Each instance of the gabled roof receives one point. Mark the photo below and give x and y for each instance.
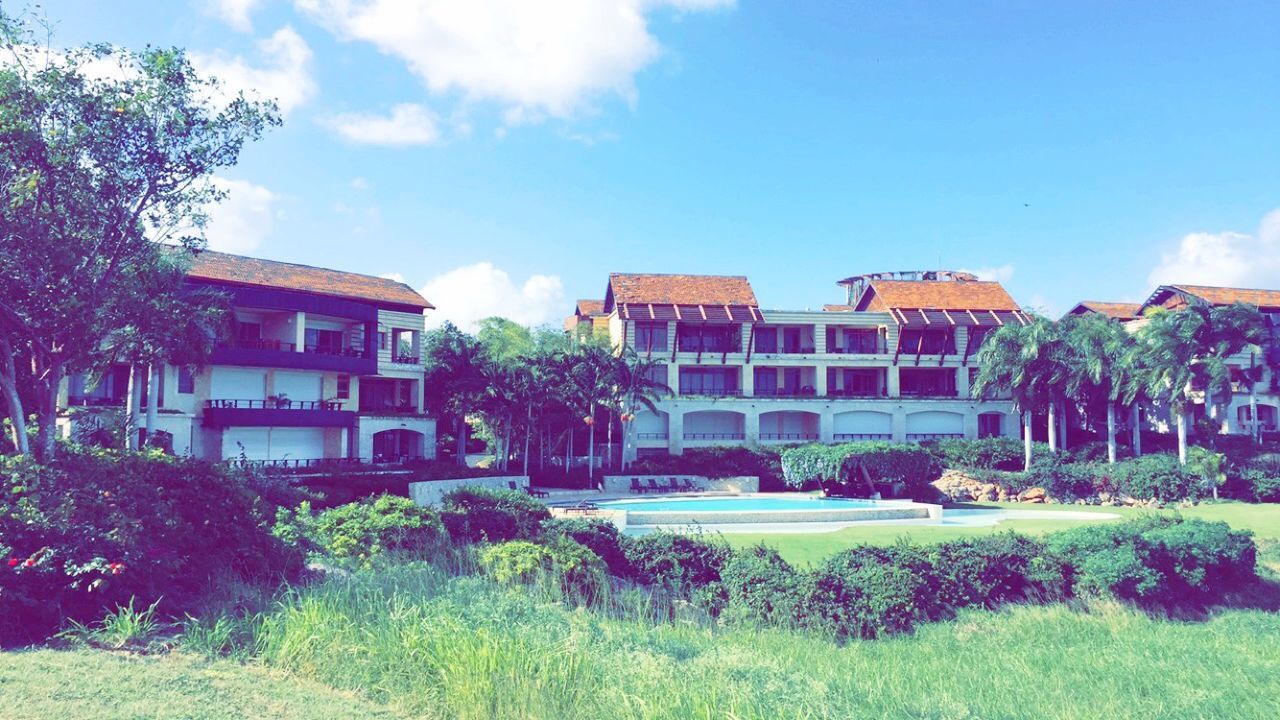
(837, 308)
(211, 266)
(1113, 310)
(1264, 299)
(936, 295)
(638, 288)
(589, 308)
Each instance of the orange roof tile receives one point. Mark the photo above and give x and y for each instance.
(240, 270)
(1113, 310)
(587, 308)
(837, 308)
(937, 294)
(1227, 296)
(628, 288)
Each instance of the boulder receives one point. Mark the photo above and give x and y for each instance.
(1034, 494)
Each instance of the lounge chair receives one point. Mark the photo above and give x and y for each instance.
(583, 508)
(636, 487)
(687, 485)
(532, 492)
(653, 486)
(674, 485)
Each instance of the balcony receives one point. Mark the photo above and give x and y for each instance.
(789, 436)
(279, 354)
(786, 393)
(857, 393)
(709, 392)
(853, 437)
(388, 408)
(715, 436)
(276, 412)
(926, 393)
(406, 359)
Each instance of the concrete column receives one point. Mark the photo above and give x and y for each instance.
(300, 331)
(747, 375)
(826, 425)
(675, 431)
(899, 425)
(751, 425)
(891, 378)
(673, 377)
(971, 423)
(962, 382)
(671, 337)
(820, 380)
(819, 338)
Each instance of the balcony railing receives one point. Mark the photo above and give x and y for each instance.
(857, 347)
(856, 393)
(710, 392)
(932, 436)
(94, 401)
(803, 392)
(389, 409)
(862, 436)
(279, 346)
(714, 436)
(651, 436)
(788, 436)
(406, 359)
(274, 404)
(929, 393)
(334, 351)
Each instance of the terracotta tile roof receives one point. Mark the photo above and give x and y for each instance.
(1227, 296)
(628, 288)
(1113, 310)
(588, 308)
(937, 294)
(240, 270)
(837, 308)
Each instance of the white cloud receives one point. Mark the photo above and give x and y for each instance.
(408, 124)
(473, 292)
(284, 76)
(236, 13)
(1226, 258)
(535, 59)
(393, 276)
(243, 220)
(1002, 273)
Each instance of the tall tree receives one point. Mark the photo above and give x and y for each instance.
(1024, 364)
(1101, 368)
(636, 390)
(455, 378)
(1188, 348)
(94, 169)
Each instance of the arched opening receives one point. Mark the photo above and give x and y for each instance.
(934, 424)
(1267, 415)
(397, 445)
(990, 424)
(793, 425)
(714, 425)
(862, 425)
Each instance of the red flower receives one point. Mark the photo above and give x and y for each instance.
(13, 561)
(29, 563)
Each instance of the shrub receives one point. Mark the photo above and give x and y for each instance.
(677, 563)
(1261, 485)
(1158, 477)
(989, 571)
(760, 587)
(868, 592)
(89, 531)
(717, 462)
(365, 530)
(578, 572)
(478, 514)
(913, 466)
(995, 453)
(1157, 560)
(599, 536)
(1062, 479)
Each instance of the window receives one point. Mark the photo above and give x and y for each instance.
(708, 381)
(656, 374)
(344, 387)
(186, 381)
(324, 342)
(927, 342)
(767, 340)
(651, 337)
(382, 341)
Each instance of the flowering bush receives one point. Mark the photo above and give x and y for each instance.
(93, 529)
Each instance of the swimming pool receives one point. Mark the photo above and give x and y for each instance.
(737, 504)
(760, 508)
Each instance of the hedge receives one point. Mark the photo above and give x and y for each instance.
(913, 466)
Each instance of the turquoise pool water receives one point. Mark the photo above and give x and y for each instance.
(736, 504)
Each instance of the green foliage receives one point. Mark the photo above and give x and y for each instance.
(1157, 560)
(600, 536)
(868, 592)
(995, 453)
(1064, 480)
(478, 514)
(913, 466)
(1160, 477)
(577, 571)
(124, 627)
(677, 563)
(761, 587)
(993, 570)
(1262, 486)
(715, 463)
(93, 529)
(361, 532)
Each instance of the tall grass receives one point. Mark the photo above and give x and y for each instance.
(434, 643)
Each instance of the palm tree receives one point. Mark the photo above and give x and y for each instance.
(1102, 366)
(636, 389)
(1023, 363)
(455, 377)
(1189, 347)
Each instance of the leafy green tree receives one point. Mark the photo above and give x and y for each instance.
(1025, 364)
(455, 379)
(94, 170)
(1189, 347)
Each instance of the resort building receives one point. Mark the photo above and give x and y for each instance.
(1255, 375)
(894, 361)
(316, 365)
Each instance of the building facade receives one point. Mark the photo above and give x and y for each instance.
(318, 365)
(893, 362)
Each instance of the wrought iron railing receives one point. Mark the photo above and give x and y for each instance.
(273, 404)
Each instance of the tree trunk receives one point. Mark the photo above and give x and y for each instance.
(13, 401)
(568, 451)
(154, 378)
(609, 443)
(1053, 428)
(1136, 418)
(1111, 433)
(462, 440)
(1062, 429)
(1256, 431)
(1026, 440)
(528, 431)
(47, 413)
(1182, 437)
(132, 399)
(591, 449)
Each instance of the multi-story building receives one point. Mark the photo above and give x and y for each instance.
(893, 362)
(1263, 366)
(319, 365)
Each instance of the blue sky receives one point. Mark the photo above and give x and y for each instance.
(505, 155)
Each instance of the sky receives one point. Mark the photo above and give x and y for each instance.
(505, 156)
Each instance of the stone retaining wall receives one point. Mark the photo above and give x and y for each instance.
(430, 492)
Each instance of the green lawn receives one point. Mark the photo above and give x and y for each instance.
(53, 684)
(806, 548)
